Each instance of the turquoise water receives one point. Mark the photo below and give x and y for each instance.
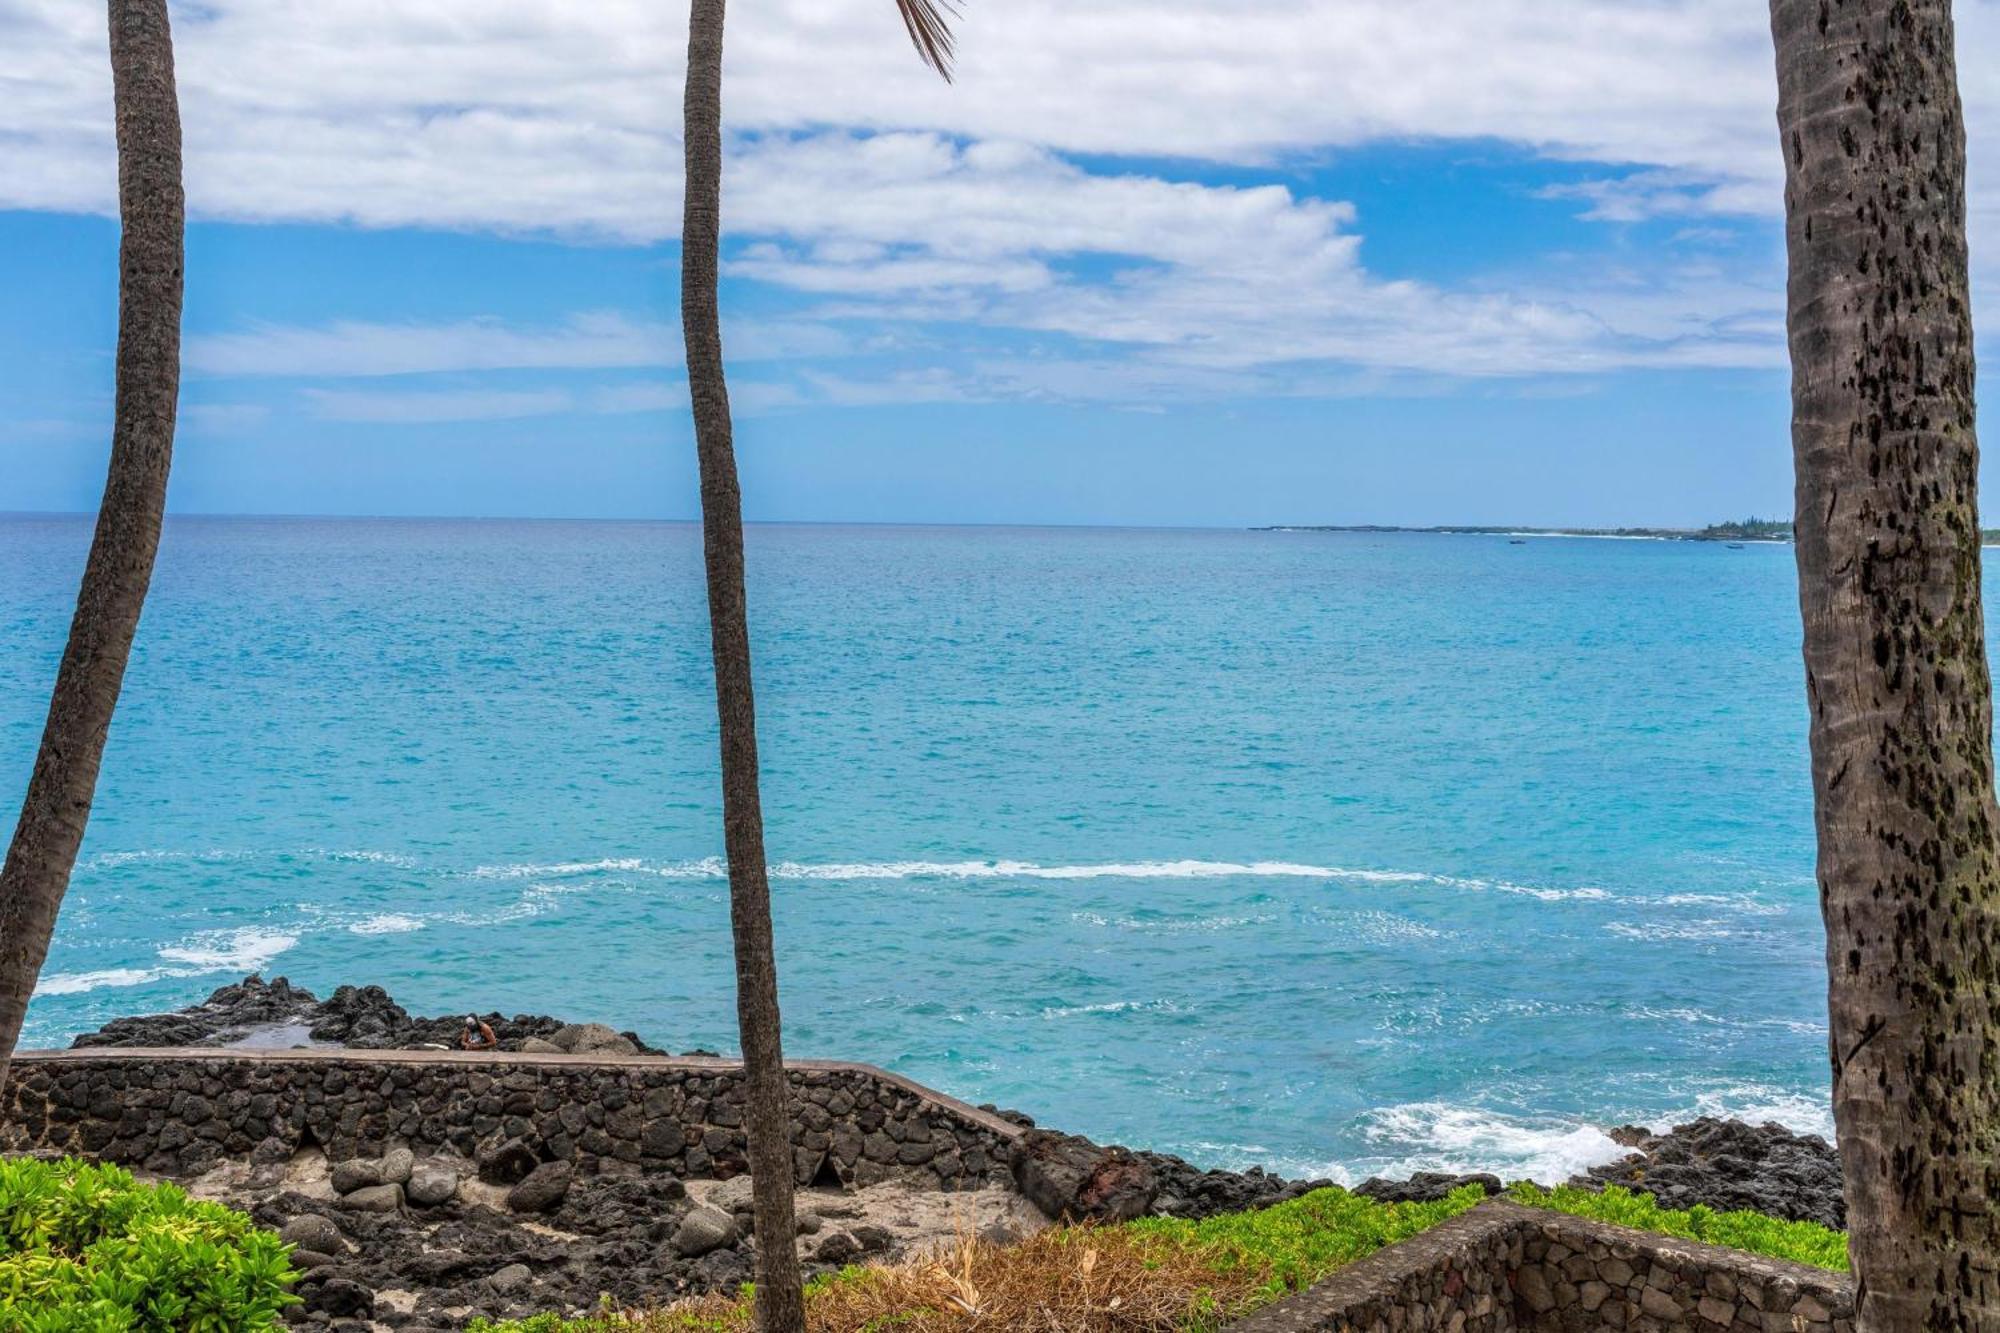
(1335, 852)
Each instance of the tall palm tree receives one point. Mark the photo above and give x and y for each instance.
(1895, 645)
(150, 206)
(780, 1300)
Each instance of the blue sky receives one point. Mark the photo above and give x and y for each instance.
(1269, 261)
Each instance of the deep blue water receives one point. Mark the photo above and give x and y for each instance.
(1334, 852)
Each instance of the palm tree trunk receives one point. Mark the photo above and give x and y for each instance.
(1895, 646)
(57, 806)
(780, 1299)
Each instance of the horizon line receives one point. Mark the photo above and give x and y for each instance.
(1267, 526)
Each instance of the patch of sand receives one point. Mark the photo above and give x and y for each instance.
(916, 1217)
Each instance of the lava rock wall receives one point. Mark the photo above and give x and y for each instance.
(179, 1112)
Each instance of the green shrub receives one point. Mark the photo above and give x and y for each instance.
(1294, 1244)
(87, 1249)
(1800, 1242)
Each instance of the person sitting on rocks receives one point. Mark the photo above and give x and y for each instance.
(478, 1035)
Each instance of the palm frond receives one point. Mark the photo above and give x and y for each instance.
(929, 22)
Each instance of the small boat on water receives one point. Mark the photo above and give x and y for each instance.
(1517, 541)
(1736, 546)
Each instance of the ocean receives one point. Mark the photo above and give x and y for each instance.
(1340, 853)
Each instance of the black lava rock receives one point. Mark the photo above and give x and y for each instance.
(1727, 1164)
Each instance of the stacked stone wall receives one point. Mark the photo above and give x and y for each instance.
(1452, 1277)
(179, 1112)
(1575, 1275)
(1502, 1268)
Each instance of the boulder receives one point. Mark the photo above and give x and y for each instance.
(702, 1230)
(511, 1278)
(543, 1189)
(375, 1199)
(873, 1240)
(431, 1184)
(592, 1039)
(337, 1297)
(356, 1173)
(308, 1259)
(733, 1195)
(397, 1164)
(1424, 1187)
(1070, 1178)
(809, 1223)
(536, 1046)
(310, 1231)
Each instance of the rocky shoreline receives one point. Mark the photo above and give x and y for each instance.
(400, 1242)
(275, 1014)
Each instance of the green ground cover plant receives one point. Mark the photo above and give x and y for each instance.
(1800, 1242)
(87, 1249)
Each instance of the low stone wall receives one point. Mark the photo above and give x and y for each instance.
(1452, 1277)
(178, 1111)
(1576, 1274)
(1506, 1267)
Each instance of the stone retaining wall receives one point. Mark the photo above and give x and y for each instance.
(1503, 1267)
(178, 1111)
(1576, 1274)
(1452, 1277)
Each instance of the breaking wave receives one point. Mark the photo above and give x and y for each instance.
(240, 950)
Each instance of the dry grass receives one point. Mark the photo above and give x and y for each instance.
(1065, 1280)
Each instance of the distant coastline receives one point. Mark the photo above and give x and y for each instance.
(1772, 531)
(1749, 530)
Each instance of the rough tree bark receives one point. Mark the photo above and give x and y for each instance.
(120, 566)
(1895, 645)
(780, 1301)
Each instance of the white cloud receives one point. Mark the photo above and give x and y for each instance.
(914, 231)
(429, 406)
(549, 116)
(540, 114)
(432, 406)
(352, 348)
(913, 227)
(591, 340)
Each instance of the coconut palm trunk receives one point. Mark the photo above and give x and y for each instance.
(780, 1298)
(120, 566)
(780, 1301)
(1895, 646)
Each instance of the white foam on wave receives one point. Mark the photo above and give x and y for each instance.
(388, 923)
(81, 983)
(1439, 1136)
(1658, 931)
(713, 868)
(1172, 925)
(571, 869)
(241, 949)
(1702, 1017)
(143, 856)
(365, 857)
(1112, 1007)
(1184, 869)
